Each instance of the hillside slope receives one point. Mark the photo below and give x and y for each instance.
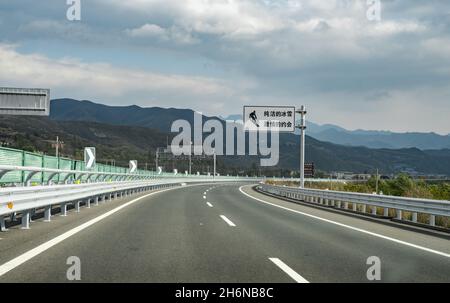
(122, 143)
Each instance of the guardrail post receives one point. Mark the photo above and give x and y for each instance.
(26, 220)
(414, 217)
(2, 224)
(354, 206)
(339, 204)
(64, 210)
(88, 203)
(374, 210)
(386, 212)
(48, 213)
(399, 214)
(432, 220)
(364, 208)
(33, 212)
(345, 205)
(96, 201)
(77, 206)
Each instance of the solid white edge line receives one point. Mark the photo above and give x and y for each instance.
(289, 271)
(209, 204)
(350, 227)
(228, 221)
(10, 265)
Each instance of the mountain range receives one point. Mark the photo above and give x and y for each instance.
(372, 138)
(327, 156)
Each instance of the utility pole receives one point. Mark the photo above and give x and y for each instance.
(57, 146)
(215, 158)
(156, 158)
(376, 183)
(190, 157)
(302, 128)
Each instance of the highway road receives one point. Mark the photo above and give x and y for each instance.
(219, 233)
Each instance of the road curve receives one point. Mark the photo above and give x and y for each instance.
(220, 233)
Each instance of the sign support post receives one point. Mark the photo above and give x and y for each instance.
(190, 157)
(302, 111)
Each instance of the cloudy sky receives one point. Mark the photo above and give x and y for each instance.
(217, 55)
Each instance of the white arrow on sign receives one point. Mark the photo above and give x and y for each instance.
(133, 166)
(89, 157)
(159, 170)
(175, 171)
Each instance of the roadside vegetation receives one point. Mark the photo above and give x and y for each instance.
(402, 186)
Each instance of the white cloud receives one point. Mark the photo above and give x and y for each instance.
(152, 31)
(103, 80)
(219, 17)
(439, 46)
(397, 27)
(325, 53)
(147, 30)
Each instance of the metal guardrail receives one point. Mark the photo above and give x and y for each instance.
(360, 201)
(85, 176)
(26, 200)
(313, 180)
(76, 175)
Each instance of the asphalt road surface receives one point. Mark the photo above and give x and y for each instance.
(218, 233)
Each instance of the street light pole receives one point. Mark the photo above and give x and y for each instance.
(214, 176)
(57, 146)
(190, 158)
(156, 158)
(376, 183)
(302, 111)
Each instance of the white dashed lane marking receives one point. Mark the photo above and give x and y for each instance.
(228, 221)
